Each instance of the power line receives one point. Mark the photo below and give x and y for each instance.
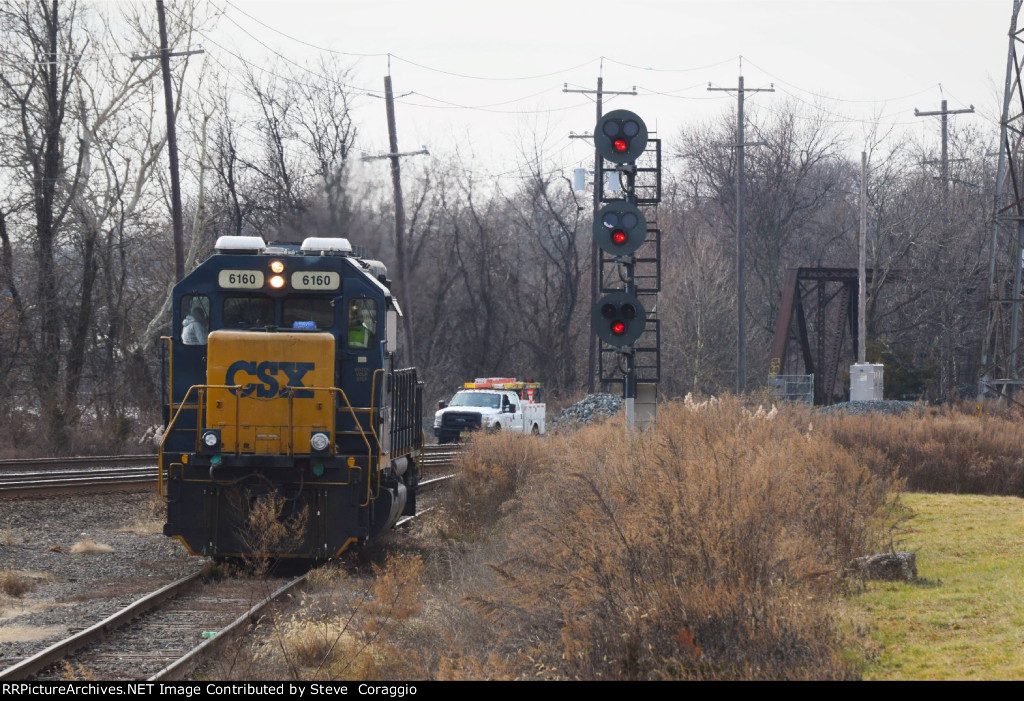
(838, 99)
(401, 58)
(670, 70)
(544, 110)
(289, 36)
(669, 94)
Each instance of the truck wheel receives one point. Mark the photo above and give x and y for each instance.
(535, 430)
(497, 427)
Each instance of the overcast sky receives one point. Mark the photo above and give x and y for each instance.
(485, 76)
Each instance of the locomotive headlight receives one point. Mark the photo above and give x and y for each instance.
(319, 442)
(277, 282)
(210, 440)
(276, 266)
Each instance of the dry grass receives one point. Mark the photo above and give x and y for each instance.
(267, 530)
(88, 546)
(710, 548)
(75, 673)
(346, 626)
(150, 515)
(9, 536)
(14, 585)
(488, 475)
(947, 450)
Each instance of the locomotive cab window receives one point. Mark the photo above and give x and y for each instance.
(307, 313)
(248, 312)
(362, 322)
(195, 323)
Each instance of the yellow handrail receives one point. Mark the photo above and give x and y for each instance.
(174, 420)
(201, 411)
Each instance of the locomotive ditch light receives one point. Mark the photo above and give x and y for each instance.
(619, 319)
(277, 282)
(319, 442)
(210, 441)
(620, 228)
(276, 266)
(620, 136)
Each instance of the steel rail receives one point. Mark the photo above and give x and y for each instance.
(58, 651)
(39, 476)
(193, 658)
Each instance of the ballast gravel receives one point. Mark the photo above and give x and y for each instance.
(79, 558)
(879, 406)
(586, 410)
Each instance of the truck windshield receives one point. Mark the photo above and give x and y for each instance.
(488, 401)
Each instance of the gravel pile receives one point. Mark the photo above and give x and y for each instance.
(81, 558)
(585, 410)
(880, 406)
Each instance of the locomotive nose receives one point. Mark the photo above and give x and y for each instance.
(269, 392)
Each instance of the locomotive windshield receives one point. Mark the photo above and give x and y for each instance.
(307, 312)
(248, 312)
(480, 399)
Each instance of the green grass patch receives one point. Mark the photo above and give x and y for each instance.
(964, 618)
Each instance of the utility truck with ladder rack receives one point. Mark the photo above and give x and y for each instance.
(491, 403)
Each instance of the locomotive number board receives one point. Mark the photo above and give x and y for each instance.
(240, 279)
(315, 280)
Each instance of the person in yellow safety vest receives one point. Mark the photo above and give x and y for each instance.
(360, 327)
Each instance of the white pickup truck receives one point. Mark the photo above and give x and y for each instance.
(497, 404)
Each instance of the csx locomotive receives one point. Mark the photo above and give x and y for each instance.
(281, 398)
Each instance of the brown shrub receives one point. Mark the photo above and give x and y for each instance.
(13, 584)
(938, 451)
(345, 627)
(489, 473)
(709, 547)
(266, 531)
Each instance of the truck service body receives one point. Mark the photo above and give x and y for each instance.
(493, 403)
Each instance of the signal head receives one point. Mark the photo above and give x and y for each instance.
(620, 228)
(620, 136)
(619, 319)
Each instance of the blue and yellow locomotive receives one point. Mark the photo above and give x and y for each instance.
(281, 398)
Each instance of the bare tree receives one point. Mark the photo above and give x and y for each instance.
(76, 117)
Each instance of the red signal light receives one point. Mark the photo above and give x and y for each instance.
(618, 328)
(619, 236)
(620, 145)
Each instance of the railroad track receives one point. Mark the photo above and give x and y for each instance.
(126, 472)
(162, 636)
(166, 634)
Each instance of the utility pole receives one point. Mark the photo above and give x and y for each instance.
(740, 146)
(594, 255)
(396, 182)
(862, 324)
(944, 162)
(172, 142)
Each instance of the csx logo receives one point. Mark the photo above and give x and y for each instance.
(268, 373)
